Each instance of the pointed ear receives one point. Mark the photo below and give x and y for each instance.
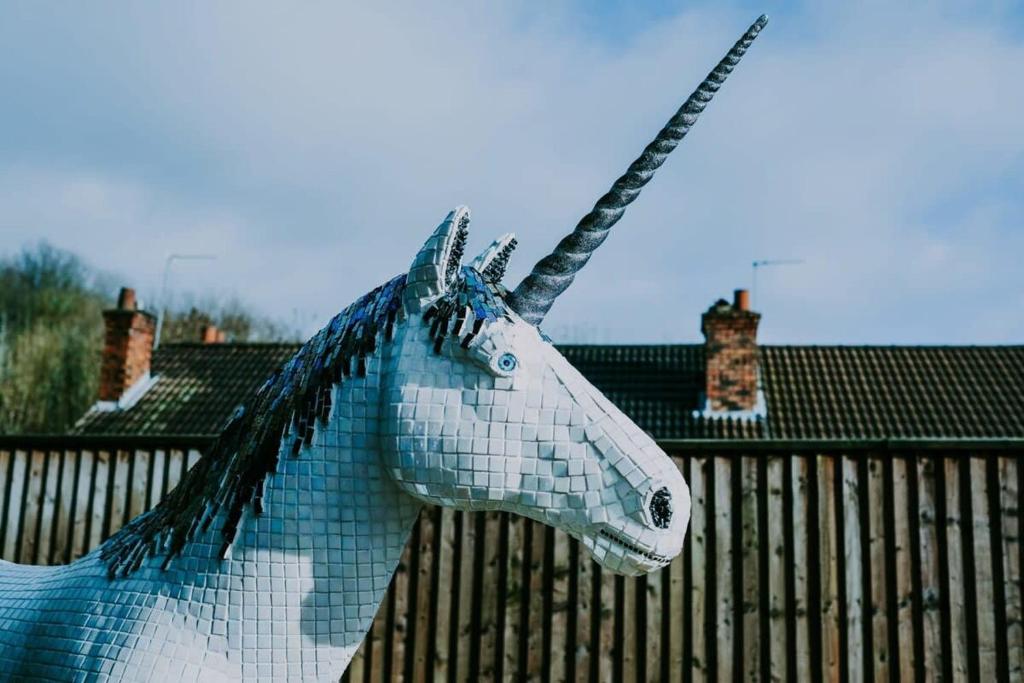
(437, 264)
(492, 261)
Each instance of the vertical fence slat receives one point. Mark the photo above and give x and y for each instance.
(1010, 475)
(820, 605)
(138, 484)
(757, 598)
(514, 628)
(933, 567)
(580, 656)
(536, 648)
(749, 642)
(17, 484)
(48, 508)
(85, 490)
(453, 580)
(853, 554)
(775, 541)
(828, 553)
(954, 561)
(797, 563)
(119, 496)
(916, 518)
(724, 562)
(377, 659)
(559, 604)
(630, 634)
(983, 605)
(899, 547)
(492, 598)
(6, 483)
(673, 613)
(618, 628)
(100, 504)
(157, 468)
(397, 623)
(997, 567)
(474, 637)
(648, 620)
(414, 667)
(64, 510)
(175, 467)
(32, 507)
(694, 647)
(355, 673)
(874, 555)
(606, 665)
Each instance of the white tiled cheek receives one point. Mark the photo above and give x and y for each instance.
(543, 442)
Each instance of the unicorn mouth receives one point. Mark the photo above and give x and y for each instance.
(654, 557)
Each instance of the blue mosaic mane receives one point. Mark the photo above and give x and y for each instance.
(285, 411)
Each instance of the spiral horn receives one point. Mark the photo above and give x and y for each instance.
(553, 274)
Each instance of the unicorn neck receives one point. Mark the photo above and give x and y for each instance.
(315, 565)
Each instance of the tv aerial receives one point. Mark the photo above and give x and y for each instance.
(763, 263)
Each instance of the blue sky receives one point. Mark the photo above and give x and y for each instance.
(312, 148)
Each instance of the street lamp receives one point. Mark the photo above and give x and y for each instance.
(163, 289)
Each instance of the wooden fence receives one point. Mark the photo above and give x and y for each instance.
(804, 561)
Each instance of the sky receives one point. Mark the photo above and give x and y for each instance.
(312, 148)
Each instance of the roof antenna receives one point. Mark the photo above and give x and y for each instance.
(768, 262)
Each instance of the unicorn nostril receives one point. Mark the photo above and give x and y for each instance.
(661, 508)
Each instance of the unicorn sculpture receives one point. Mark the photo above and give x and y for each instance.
(269, 559)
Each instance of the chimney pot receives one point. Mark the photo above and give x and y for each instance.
(126, 299)
(741, 300)
(211, 335)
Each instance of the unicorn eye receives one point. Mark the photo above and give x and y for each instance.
(507, 362)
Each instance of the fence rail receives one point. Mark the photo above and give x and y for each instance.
(800, 564)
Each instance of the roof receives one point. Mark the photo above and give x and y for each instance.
(822, 392)
(197, 388)
(811, 392)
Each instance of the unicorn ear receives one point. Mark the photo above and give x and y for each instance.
(437, 264)
(492, 261)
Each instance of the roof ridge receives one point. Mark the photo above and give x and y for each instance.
(230, 344)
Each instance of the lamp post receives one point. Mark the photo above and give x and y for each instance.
(163, 289)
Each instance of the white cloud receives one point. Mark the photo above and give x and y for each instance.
(314, 149)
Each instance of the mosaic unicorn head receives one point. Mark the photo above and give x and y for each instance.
(483, 413)
(269, 559)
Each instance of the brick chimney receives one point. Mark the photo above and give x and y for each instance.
(730, 350)
(127, 347)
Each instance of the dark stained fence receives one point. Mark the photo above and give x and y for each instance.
(894, 560)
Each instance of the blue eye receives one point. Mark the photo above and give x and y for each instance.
(507, 362)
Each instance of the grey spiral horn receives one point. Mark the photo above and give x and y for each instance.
(553, 274)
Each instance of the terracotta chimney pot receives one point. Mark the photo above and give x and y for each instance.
(741, 300)
(211, 335)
